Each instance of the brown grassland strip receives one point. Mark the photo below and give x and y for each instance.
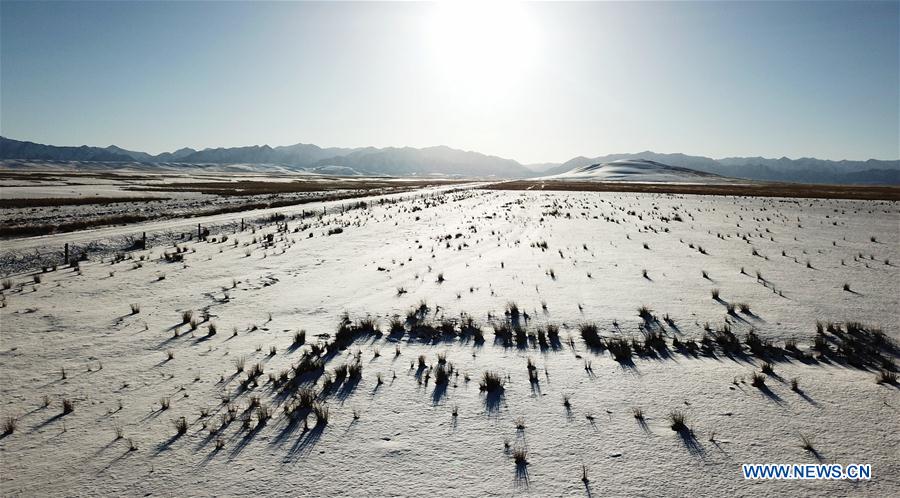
(70, 201)
(257, 187)
(62, 176)
(45, 229)
(859, 192)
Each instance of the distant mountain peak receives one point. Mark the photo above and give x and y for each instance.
(445, 160)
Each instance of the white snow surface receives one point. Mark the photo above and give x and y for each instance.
(406, 441)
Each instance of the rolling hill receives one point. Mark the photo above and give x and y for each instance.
(446, 161)
(638, 170)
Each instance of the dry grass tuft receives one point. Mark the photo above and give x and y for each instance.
(677, 419)
(181, 425)
(520, 455)
(320, 410)
(9, 425)
(491, 382)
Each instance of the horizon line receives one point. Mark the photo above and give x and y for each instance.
(463, 150)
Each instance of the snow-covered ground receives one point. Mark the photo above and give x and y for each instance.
(51, 201)
(564, 258)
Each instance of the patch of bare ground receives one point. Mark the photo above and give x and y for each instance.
(71, 201)
(256, 187)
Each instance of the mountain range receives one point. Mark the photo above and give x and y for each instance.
(445, 161)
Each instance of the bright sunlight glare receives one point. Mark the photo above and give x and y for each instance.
(483, 48)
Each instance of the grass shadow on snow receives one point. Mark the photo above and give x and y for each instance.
(768, 393)
(522, 475)
(492, 401)
(306, 442)
(440, 390)
(243, 441)
(690, 442)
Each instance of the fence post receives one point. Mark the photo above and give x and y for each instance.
(66, 260)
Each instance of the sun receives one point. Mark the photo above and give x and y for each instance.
(483, 46)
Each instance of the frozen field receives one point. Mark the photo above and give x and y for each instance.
(158, 404)
(46, 201)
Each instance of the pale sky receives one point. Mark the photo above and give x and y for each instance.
(533, 82)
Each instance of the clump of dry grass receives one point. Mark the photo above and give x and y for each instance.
(306, 397)
(263, 413)
(638, 413)
(645, 313)
(677, 419)
(886, 376)
(553, 333)
(520, 455)
(395, 325)
(619, 348)
(9, 425)
(758, 380)
(181, 425)
(807, 442)
(491, 382)
(320, 410)
(68, 406)
(532, 371)
(590, 335)
(442, 373)
(354, 371)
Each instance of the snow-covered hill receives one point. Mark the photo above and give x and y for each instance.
(639, 170)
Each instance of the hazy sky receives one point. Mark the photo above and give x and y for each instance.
(534, 82)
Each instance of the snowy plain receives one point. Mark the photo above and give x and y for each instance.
(564, 258)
